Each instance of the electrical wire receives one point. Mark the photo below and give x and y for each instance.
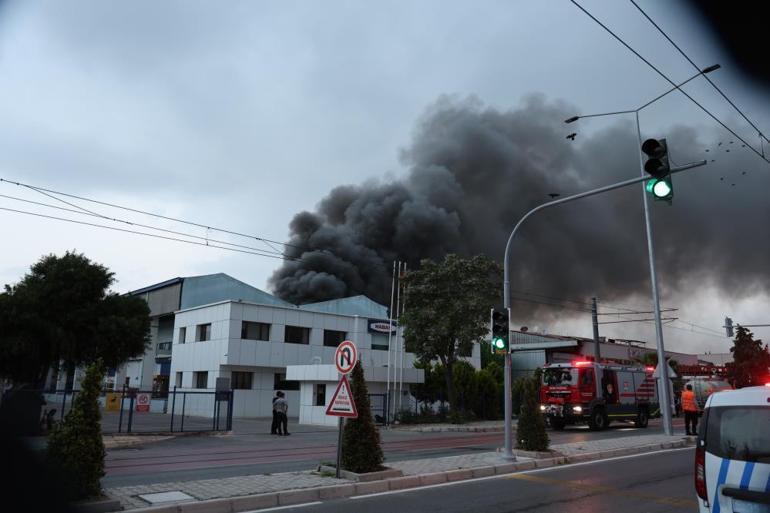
(704, 109)
(698, 69)
(95, 225)
(560, 299)
(140, 225)
(160, 216)
(545, 303)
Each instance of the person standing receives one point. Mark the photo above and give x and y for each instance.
(274, 425)
(282, 407)
(690, 408)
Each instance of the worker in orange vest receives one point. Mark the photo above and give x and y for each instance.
(690, 408)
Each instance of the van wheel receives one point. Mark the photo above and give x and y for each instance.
(598, 420)
(642, 418)
(558, 424)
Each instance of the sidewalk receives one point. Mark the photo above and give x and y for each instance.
(294, 487)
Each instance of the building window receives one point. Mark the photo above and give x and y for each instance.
(280, 383)
(182, 335)
(201, 379)
(334, 338)
(178, 381)
(380, 341)
(241, 380)
(297, 335)
(203, 332)
(255, 331)
(319, 392)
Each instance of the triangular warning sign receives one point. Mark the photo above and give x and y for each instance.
(342, 403)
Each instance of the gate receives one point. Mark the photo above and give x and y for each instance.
(379, 406)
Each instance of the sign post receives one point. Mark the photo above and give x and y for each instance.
(342, 404)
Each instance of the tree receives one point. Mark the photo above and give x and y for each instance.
(361, 450)
(750, 360)
(62, 311)
(76, 448)
(530, 429)
(447, 309)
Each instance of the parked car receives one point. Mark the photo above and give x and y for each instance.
(732, 455)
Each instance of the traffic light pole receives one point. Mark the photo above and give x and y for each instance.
(664, 390)
(508, 452)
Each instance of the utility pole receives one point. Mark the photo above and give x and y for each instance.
(595, 319)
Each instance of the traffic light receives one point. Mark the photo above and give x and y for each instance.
(729, 327)
(657, 166)
(500, 330)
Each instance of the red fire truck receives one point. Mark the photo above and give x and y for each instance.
(584, 391)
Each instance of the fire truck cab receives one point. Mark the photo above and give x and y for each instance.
(596, 393)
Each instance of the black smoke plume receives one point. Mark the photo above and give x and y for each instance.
(473, 171)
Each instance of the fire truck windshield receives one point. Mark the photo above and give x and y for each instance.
(560, 376)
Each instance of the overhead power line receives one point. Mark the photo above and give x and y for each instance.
(547, 303)
(651, 65)
(638, 320)
(160, 216)
(136, 232)
(698, 69)
(140, 225)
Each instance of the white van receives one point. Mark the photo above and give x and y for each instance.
(732, 457)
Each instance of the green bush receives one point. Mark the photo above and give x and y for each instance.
(361, 450)
(487, 404)
(76, 448)
(530, 429)
(517, 394)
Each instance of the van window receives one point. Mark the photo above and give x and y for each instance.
(739, 433)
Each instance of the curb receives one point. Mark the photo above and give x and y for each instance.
(290, 497)
(454, 429)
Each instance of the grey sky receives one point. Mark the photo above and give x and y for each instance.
(242, 114)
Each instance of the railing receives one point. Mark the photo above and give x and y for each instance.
(163, 349)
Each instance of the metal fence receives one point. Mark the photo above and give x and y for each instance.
(181, 410)
(133, 411)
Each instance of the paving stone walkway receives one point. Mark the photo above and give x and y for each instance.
(608, 444)
(482, 459)
(227, 487)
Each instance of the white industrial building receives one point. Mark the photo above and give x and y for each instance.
(563, 349)
(213, 326)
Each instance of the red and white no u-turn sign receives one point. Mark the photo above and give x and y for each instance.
(346, 356)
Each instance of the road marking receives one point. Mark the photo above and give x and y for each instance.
(581, 486)
(278, 508)
(508, 476)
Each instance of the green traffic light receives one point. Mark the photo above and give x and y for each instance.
(499, 343)
(661, 189)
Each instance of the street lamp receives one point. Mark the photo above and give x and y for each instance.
(660, 189)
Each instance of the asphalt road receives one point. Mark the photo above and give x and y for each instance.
(648, 483)
(210, 457)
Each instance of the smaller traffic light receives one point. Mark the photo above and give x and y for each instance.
(500, 330)
(658, 167)
(729, 327)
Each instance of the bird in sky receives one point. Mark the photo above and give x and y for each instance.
(572, 136)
